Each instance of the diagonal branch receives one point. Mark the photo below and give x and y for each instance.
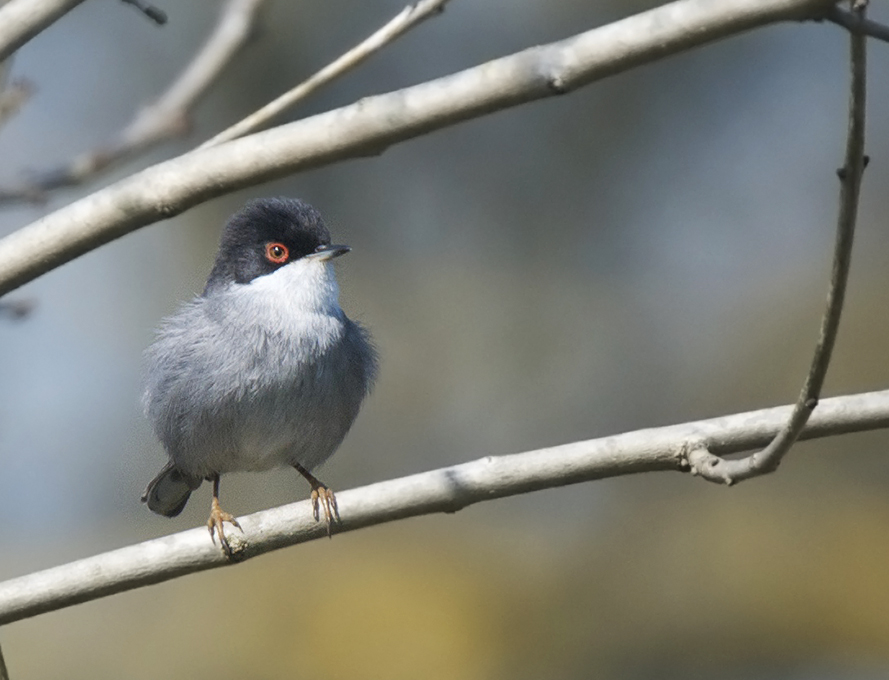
(21, 20)
(410, 16)
(165, 118)
(232, 30)
(375, 123)
(715, 469)
(444, 490)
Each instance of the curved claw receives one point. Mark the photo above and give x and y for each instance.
(214, 525)
(323, 496)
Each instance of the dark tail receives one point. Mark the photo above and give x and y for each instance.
(168, 493)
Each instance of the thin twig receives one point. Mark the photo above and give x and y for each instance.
(857, 23)
(13, 95)
(16, 309)
(410, 16)
(444, 490)
(375, 123)
(4, 674)
(168, 117)
(21, 20)
(703, 461)
(6, 65)
(170, 112)
(156, 14)
(13, 98)
(165, 118)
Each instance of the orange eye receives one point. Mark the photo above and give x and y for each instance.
(277, 253)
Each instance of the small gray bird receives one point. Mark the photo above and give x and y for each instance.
(263, 369)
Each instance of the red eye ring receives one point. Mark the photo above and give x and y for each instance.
(276, 252)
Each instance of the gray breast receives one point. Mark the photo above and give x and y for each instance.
(226, 393)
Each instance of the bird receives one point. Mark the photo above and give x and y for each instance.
(263, 369)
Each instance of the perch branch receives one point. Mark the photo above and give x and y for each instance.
(444, 490)
(165, 118)
(410, 16)
(375, 123)
(21, 20)
(715, 469)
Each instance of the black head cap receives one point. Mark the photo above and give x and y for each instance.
(264, 236)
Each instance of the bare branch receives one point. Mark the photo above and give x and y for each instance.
(21, 20)
(156, 14)
(444, 490)
(375, 123)
(858, 23)
(170, 111)
(715, 469)
(410, 16)
(166, 118)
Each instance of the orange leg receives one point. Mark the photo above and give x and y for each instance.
(322, 496)
(218, 516)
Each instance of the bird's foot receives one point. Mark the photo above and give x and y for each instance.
(214, 525)
(323, 497)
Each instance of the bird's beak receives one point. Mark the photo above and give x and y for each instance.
(324, 253)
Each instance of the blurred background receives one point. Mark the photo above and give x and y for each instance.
(651, 249)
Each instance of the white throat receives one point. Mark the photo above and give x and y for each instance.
(292, 299)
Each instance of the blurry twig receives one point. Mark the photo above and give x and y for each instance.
(4, 674)
(410, 16)
(157, 15)
(13, 97)
(163, 119)
(720, 470)
(16, 309)
(444, 490)
(856, 22)
(21, 20)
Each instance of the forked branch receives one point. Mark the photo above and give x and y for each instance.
(703, 461)
(856, 22)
